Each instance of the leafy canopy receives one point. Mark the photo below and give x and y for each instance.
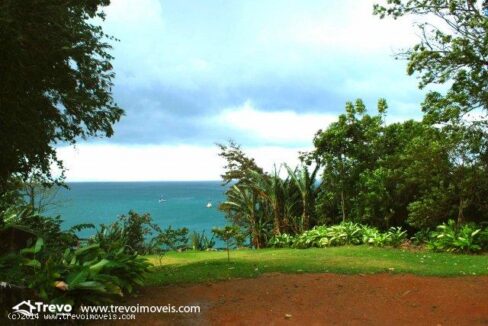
(56, 82)
(453, 50)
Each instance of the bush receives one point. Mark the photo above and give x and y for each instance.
(129, 231)
(86, 275)
(421, 237)
(457, 238)
(396, 236)
(48, 228)
(346, 233)
(281, 241)
(58, 272)
(171, 239)
(200, 241)
(231, 235)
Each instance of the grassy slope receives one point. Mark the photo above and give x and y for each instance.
(195, 267)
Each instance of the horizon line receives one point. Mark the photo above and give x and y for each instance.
(120, 181)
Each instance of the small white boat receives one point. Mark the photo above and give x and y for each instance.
(161, 199)
(209, 204)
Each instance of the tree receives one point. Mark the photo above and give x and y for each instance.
(238, 165)
(345, 149)
(305, 182)
(453, 49)
(231, 235)
(56, 82)
(271, 190)
(244, 204)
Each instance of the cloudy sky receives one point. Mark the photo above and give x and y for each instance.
(267, 74)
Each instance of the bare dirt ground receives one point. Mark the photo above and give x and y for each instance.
(324, 299)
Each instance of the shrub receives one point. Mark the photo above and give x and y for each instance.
(86, 275)
(396, 236)
(171, 239)
(311, 238)
(231, 235)
(48, 228)
(200, 241)
(281, 241)
(129, 231)
(454, 238)
(421, 237)
(346, 233)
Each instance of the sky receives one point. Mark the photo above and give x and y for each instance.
(267, 74)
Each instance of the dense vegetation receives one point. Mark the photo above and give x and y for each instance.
(412, 174)
(56, 83)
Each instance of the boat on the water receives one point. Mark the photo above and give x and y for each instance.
(161, 199)
(209, 204)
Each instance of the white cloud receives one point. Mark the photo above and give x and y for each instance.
(348, 25)
(275, 127)
(108, 162)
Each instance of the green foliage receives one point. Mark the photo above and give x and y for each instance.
(200, 241)
(396, 236)
(282, 241)
(346, 233)
(413, 173)
(49, 228)
(265, 203)
(452, 51)
(171, 239)
(304, 180)
(56, 82)
(84, 275)
(128, 231)
(61, 269)
(231, 235)
(451, 237)
(421, 237)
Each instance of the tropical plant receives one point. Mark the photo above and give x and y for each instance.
(421, 237)
(271, 190)
(135, 231)
(243, 201)
(86, 275)
(305, 183)
(171, 239)
(281, 241)
(231, 235)
(347, 233)
(200, 241)
(396, 236)
(456, 238)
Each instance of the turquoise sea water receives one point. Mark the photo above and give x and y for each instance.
(102, 202)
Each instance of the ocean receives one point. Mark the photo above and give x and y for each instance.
(184, 205)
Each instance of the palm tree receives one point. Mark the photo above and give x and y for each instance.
(270, 188)
(244, 203)
(305, 182)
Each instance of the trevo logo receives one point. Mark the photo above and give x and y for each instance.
(31, 310)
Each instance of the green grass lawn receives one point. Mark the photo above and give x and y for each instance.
(197, 267)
